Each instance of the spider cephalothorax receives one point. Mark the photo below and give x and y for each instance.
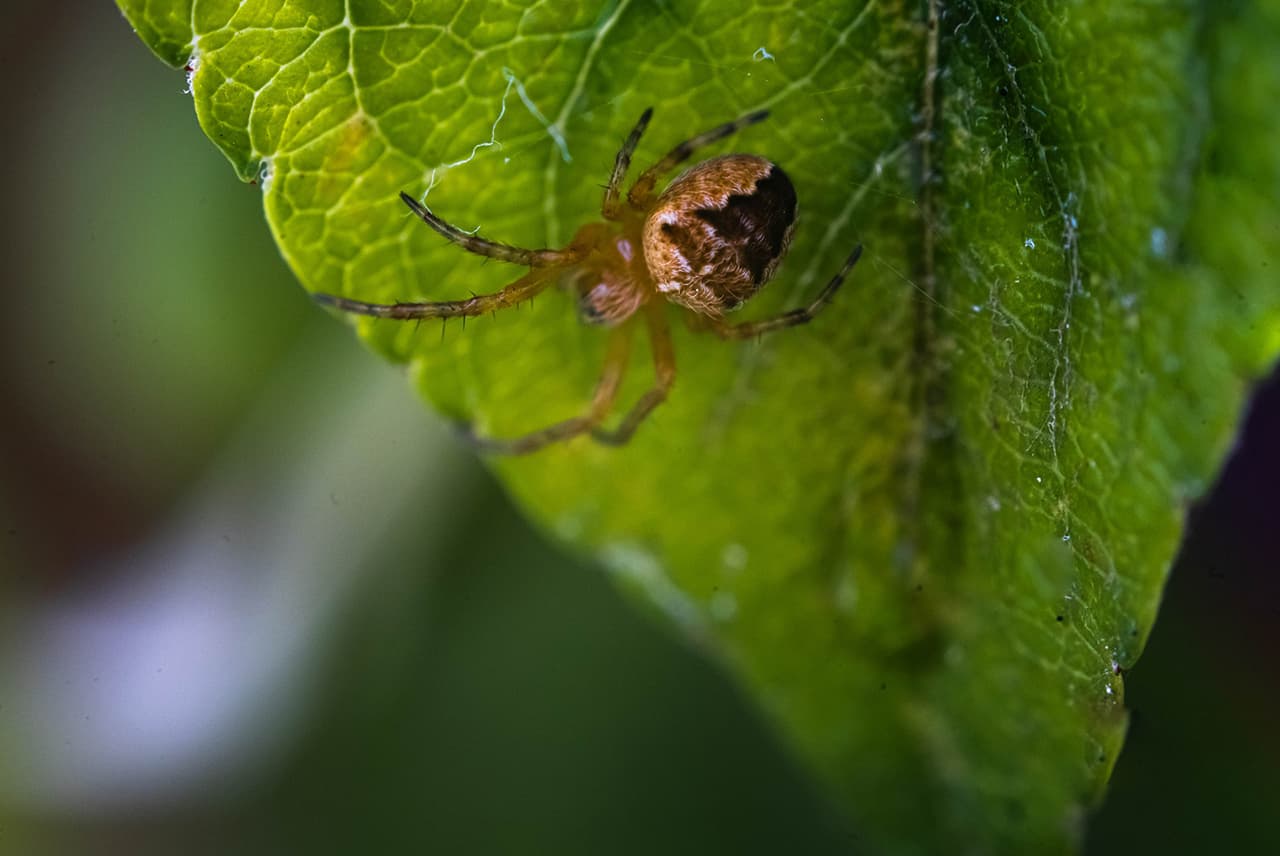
(707, 243)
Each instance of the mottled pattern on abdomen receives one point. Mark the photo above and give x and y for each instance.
(719, 231)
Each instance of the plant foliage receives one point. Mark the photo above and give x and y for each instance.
(929, 531)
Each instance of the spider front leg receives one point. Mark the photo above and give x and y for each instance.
(524, 288)
(606, 392)
(792, 318)
(664, 372)
(489, 249)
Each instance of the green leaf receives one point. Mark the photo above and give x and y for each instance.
(930, 530)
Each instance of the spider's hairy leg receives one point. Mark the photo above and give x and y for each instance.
(615, 366)
(795, 317)
(641, 193)
(664, 372)
(524, 288)
(489, 249)
(610, 207)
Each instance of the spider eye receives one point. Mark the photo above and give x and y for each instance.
(590, 308)
(603, 300)
(718, 232)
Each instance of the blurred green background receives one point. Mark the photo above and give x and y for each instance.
(253, 596)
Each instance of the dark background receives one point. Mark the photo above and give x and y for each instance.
(175, 672)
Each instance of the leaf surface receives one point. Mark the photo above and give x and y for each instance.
(928, 531)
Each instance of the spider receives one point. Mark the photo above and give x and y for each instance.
(707, 243)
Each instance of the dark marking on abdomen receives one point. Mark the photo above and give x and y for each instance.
(756, 223)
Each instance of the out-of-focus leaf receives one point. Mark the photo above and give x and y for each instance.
(929, 531)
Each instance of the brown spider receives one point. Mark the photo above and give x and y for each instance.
(707, 243)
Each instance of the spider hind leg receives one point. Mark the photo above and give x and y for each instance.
(641, 193)
(612, 205)
(791, 318)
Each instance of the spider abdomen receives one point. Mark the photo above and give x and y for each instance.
(718, 232)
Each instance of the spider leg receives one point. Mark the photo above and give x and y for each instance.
(641, 193)
(610, 207)
(664, 371)
(490, 249)
(795, 317)
(522, 289)
(615, 366)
